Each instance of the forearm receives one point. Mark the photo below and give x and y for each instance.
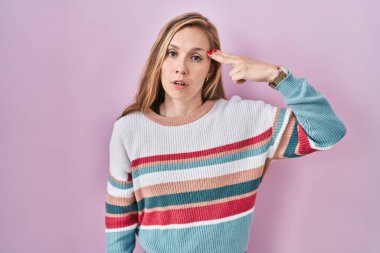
(313, 112)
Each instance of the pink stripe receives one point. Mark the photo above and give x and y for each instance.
(303, 140)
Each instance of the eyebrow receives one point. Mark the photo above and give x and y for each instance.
(193, 49)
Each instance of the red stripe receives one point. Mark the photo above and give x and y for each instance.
(178, 156)
(120, 222)
(303, 140)
(194, 214)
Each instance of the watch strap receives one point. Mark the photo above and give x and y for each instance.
(283, 73)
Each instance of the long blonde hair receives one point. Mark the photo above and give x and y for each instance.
(151, 92)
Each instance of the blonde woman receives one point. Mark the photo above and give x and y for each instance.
(185, 162)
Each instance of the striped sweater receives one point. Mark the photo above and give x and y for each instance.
(188, 184)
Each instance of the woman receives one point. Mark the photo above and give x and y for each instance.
(185, 162)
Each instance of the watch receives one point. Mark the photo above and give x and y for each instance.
(282, 75)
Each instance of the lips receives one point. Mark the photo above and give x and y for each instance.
(180, 82)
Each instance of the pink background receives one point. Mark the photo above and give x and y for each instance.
(68, 68)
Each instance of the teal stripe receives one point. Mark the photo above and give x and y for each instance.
(202, 163)
(199, 196)
(118, 185)
(118, 242)
(292, 145)
(120, 209)
(280, 122)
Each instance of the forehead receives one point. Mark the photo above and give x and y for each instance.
(191, 37)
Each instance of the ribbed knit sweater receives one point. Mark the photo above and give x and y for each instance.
(188, 184)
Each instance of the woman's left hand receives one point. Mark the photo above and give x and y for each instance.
(244, 68)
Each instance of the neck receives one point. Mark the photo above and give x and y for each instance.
(174, 108)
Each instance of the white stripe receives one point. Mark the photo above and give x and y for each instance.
(198, 223)
(110, 230)
(119, 193)
(314, 145)
(199, 172)
(285, 121)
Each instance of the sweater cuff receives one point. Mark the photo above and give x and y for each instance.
(289, 85)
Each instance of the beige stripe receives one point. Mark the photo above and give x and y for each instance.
(119, 201)
(278, 110)
(198, 184)
(120, 215)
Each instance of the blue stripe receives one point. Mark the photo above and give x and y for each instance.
(120, 209)
(119, 242)
(118, 185)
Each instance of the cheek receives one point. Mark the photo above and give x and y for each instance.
(206, 66)
(203, 70)
(165, 69)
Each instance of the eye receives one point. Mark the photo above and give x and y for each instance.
(170, 51)
(198, 57)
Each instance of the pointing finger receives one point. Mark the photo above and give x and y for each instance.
(227, 54)
(222, 57)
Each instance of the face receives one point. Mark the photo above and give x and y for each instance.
(186, 59)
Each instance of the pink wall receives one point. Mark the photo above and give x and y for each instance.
(67, 69)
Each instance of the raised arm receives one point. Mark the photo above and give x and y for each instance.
(309, 123)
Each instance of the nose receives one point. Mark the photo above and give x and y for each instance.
(180, 72)
(181, 67)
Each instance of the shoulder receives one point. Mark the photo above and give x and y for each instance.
(237, 104)
(124, 124)
(255, 116)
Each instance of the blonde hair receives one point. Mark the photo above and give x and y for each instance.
(151, 92)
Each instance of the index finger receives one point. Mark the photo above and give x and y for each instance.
(223, 57)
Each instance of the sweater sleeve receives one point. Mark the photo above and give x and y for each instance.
(307, 125)
(121, 206)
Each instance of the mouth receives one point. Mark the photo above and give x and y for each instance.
(179, 84)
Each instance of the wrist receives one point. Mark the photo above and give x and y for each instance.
(275, 71)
